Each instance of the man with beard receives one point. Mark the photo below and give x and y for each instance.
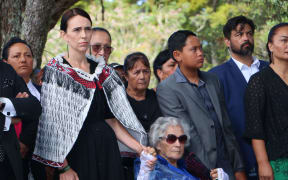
(234, 76)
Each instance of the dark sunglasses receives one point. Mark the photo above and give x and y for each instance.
(98, 47)
(171, 138)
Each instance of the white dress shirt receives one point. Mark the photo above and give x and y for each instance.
(33, 90)
(246, 70)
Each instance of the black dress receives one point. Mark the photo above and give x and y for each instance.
(147, 111)
(266, 108)
(95, 154)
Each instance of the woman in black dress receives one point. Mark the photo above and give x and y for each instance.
(76, 129)
(266, 106)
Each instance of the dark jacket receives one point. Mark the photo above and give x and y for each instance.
(178, 99)
(234, 85)
(26, 108)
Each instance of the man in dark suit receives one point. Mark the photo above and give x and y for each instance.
(15, 103)
(234, 76)
(197, 98)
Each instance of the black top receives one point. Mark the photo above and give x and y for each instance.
(266, 107)
(147, 110)
(95, 154)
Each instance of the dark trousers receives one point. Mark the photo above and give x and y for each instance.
(6, 171)
(128, 167)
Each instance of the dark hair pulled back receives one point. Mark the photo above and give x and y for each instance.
(271, 34)
(71, 13)
(132, 58)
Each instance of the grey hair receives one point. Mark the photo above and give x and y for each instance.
(160, 126)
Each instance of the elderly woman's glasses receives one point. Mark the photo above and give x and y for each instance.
(171, 138)
(98, 47)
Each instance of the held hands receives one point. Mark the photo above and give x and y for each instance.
(150, 154)
(218, 174)
(148, 161)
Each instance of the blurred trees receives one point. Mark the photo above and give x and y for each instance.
(30, 20)
(145, 25)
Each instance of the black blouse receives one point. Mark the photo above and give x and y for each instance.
(148, 110)
(266, 108)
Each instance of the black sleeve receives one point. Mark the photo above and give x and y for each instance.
(26, 108)
(107, 112)
(29, 132)
(254, 108)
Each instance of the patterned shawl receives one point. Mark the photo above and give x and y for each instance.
(66, 96)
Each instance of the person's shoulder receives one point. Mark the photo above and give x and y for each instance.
(220, 68)
(208, 75)
(6, 68)
(263, 75)
(150, 92)
(169, 80)
(263, 61)
(168, 83)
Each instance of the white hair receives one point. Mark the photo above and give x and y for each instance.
(160, 126)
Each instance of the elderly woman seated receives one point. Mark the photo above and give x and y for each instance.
(169, 136)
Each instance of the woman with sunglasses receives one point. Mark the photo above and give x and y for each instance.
(169, 136)
(101, 43)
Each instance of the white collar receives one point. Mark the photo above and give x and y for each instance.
(240, 65)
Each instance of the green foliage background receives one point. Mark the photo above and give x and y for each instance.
(146, 25)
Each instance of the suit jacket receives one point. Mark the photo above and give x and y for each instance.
(234, 85)
(26, 108)
(178, 99)
(29, 131)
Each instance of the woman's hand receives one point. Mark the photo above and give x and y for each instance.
(219, 174)
(23, 149)
(265, 171)
(214, 174)
(69, 175)
(150, 163)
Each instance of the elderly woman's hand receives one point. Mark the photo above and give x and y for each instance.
(218, 174)
(152, 160)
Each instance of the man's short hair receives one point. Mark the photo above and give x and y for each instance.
(234, 22)
(178, 40)
(160, 59)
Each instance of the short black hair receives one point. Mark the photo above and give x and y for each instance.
(10, 43)
(271, 34)
(234, 22)
(160, 59)
(132, 58)
(95, 29)
(178, 40)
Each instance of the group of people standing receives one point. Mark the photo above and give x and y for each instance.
(98, 119)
